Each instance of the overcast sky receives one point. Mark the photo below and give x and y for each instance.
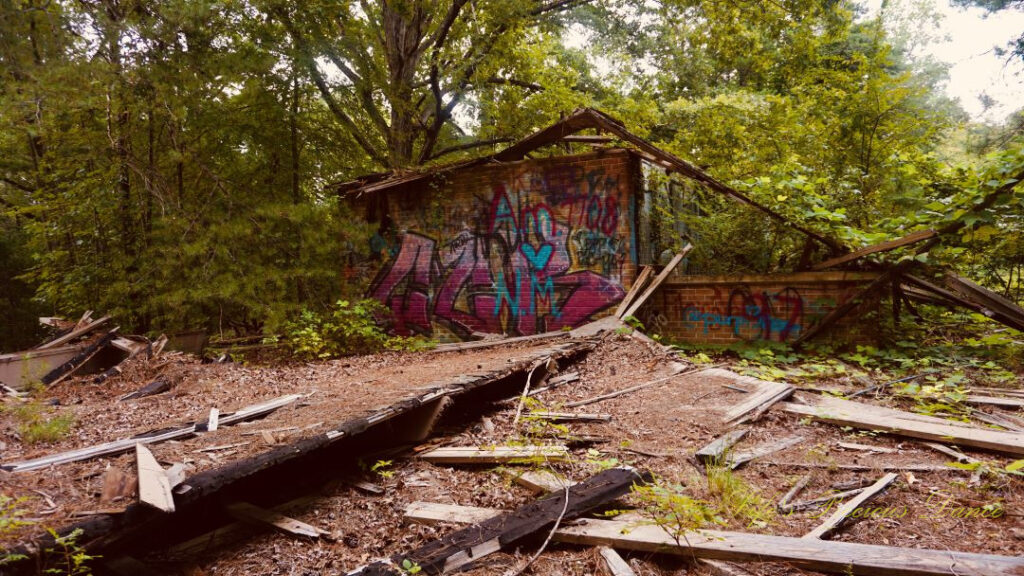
(968, 48)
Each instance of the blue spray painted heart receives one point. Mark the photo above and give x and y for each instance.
(538, 258)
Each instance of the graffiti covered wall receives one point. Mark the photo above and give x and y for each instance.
(777, 307)
(519, 248)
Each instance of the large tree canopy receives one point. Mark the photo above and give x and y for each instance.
(167, 162)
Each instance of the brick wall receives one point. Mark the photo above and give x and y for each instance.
(778, 307)
(515, 248)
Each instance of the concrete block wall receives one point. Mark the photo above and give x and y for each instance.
(514, 248)
(777, 307)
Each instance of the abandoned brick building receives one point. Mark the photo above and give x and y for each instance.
(511, 245)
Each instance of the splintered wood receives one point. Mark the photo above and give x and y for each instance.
(810, 554)
(495, 455)
(470, 544)
(878, 418)
(154, 486)
(762, 395)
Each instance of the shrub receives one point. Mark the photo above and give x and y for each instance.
(346, 328)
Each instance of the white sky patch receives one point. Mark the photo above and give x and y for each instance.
(969, 49)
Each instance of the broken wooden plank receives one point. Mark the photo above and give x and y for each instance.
(865, 447)
(820, 501)
(247, 512)
(949, 451)
(74, 334)
(472, 543)
(821, 555)
(119, 446)
(796, 489)
(158, 386)
(431, 513)
(978, 399)
(616, 565)
(213, 421)
(154, 486)
(656, 283)
(763, 395)
(740, 458)
(870, 417)
(639, 284)
(912, 238)
(833, 522)
(542, 481)
(495, 455)
(570, 417)
(71, 366)
(715, 452)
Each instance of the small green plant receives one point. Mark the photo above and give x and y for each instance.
(410, 567)
(633, 322)
(667, 506)
(738, 499)
(346, 328)
(10, 520)
(35, 427)
(380, 467)
(67, 557)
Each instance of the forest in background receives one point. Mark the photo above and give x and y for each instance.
(169, 163)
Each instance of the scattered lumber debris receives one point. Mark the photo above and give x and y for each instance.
(715, 452)
(20, 370)
(763, 395)
(495, 455)
(368, 487)
(833, 522)
(541, 481)
(254, 514)
(118, 446)
(740, 458)
(821, 555)
(871, 417)
(154, 486)
(912, 238)
(616, 565)
(76, 333)
(866, 447)
(570, 417)
(632, 389)
(658, 280)
(464, 546)
(78, 360)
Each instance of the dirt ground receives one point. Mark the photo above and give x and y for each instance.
(657, 429)
(333, 392)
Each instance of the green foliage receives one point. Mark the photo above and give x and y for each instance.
(67, 557)
(667, 506)
(10, 521)
(347, 328)
(737, 499)
(35, 426)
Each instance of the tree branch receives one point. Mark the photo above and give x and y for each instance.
(470, 146)
(325, 91)
(513, 82)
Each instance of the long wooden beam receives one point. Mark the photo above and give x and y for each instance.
(881, 419)
(907, 240)
(821, 555)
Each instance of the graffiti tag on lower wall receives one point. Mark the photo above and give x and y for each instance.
(757, 315)
(533, 262)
